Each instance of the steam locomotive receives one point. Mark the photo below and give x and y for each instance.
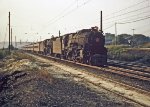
(85, 46)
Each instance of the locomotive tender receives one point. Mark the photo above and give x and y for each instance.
(85, 46)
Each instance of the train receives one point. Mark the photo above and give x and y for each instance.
(84, 46)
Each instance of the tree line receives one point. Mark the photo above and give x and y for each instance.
(135, 40)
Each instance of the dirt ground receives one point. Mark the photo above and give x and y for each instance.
(27, 82)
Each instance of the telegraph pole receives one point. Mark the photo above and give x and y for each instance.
(9, 33)
(115, 33)
(11, 38)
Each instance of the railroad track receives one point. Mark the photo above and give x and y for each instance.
(132, 65)
(129, 73)
(137, 74)
(135, 94)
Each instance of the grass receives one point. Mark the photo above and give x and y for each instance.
(125, 53)
(115, 52)
(20, 56)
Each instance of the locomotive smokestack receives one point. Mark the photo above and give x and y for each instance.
(101, 22)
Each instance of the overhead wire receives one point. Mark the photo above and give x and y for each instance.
(63, 11)
(128, 17)
(108, 27)
(131, 20)
(69, 12)
(134, 20)
(128, 7)
(127, 12)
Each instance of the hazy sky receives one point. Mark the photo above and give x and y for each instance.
(31, 19)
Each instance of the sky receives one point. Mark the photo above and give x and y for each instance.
(34, 20)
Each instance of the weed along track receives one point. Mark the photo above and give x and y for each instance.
(89, 75)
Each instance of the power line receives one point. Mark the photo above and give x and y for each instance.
(69, 12)
(128, 7)
(108, 27)
(135, 20)
(63, 11)
(129, 22)
(128, 12)
(128, 17)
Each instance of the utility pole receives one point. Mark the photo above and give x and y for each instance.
(115, 33)
(11, 39)
(101, 21)
(9, 32)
